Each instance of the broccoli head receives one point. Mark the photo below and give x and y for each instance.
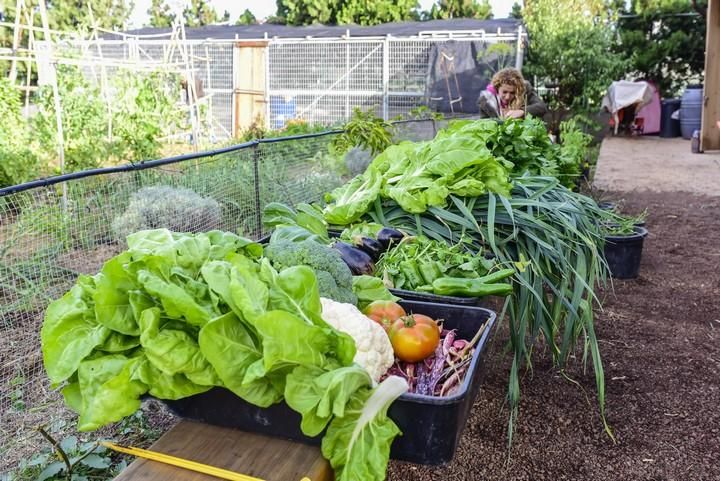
(333, 275)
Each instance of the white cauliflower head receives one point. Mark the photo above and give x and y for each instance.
(373, 349)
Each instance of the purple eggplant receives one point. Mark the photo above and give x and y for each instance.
(387, 236)
(370, 246)
(357, 260)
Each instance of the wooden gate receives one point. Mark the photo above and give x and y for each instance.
(249, 94)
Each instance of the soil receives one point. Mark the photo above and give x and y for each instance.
(660, 341)
(656, 164)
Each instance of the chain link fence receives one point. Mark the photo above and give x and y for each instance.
(53, 230)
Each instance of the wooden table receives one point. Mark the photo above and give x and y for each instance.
(270, 459)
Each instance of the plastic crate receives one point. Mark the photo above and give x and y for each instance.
(431, 425)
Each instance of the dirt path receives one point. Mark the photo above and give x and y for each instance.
(660, 342)
(656, 164)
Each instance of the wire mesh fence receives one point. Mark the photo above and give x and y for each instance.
(319, 80)
(323, 80)
(53, 231)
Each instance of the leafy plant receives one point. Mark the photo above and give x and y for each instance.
(573, 153)
(144, 110)
(84, 121)
(176, 314)
(177, 209)
(70, 459)
(617, 224)
(421, 112)
(18, 162)
(364, 130)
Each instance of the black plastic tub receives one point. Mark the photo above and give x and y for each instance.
(438, 299)
(623, 253)
(431, 426)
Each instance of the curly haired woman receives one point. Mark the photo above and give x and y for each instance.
(510, 96)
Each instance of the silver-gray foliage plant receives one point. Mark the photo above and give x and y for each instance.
(175, 208)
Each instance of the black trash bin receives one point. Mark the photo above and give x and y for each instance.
(669, 127)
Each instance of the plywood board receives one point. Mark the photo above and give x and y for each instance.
(249, 85)
(270, 459)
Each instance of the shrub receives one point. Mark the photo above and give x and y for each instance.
(177, 209)
(18, 163)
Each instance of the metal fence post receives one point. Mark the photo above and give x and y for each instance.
(519, 52)
(386, 75)
(256, 175)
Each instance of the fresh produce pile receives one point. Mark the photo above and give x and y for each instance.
(402, 262)
(425, 265)
(177, 314)
(467, 159)
(308, 318)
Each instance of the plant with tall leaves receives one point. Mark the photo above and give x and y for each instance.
(552, 237)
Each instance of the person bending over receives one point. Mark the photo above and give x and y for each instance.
(510, 96)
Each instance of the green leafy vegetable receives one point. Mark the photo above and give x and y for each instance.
(319, 395)
(358, 444)
(186, 312)
(369, 289)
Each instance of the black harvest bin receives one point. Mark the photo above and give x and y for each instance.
(431, 426)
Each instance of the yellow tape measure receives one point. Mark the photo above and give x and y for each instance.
(183, 463)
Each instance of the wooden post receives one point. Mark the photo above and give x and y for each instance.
(28, 64)
(710, 130)
(56, 98)
(17, 32)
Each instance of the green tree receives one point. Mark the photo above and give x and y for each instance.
(160, 14)
(200, 13)
(66, 15)
(197, 14)
(516, 11)
(664, 40)
(461, 9)
(571, 47)
(75, 14)
(342, 12)
(246, 18)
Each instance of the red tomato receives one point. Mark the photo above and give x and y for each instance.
(414, 338)
(384, 312)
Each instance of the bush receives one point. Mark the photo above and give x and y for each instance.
(177, 209)
(84, 120)
(571, 44)
(18, 163)
(144, 111)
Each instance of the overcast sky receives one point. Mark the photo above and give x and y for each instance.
(265, 8)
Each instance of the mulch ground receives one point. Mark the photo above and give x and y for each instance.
(660, 342)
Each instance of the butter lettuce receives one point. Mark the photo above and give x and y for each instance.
(177, 314)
